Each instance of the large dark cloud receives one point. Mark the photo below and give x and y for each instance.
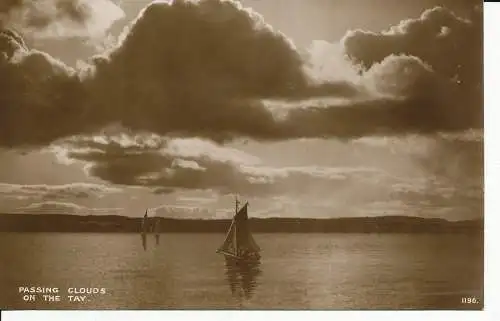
(198, 68)
(202, 69)
(159, 165)
(170, 164)
(214, 59)
(450, 44)
(41, 99)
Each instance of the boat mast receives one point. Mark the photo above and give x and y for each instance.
(144, 222)
(237, 202)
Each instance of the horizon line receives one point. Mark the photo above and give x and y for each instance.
(259, 218)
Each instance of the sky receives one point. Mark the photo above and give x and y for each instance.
(318, 108)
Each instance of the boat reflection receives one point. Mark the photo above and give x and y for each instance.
(144, 238)
(156, 230)
(242, 277)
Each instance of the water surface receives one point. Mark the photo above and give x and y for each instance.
(297, 271)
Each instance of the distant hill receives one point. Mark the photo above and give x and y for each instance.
(123, 224)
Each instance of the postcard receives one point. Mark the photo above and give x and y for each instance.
(241, 155)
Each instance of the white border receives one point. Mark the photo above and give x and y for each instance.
(492, 159)
(492, 286)
(246, 315)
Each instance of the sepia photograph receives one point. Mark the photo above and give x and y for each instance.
(241, 155)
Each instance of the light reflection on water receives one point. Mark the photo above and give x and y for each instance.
(297, 271)
(242, 277)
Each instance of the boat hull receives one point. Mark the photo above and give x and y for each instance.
(254, 257)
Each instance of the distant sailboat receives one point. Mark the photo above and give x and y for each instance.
(239, 244)
(144, 230)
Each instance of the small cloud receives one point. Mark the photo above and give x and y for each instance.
(164, 190)
(56, 192)
(54, 207)
(60, 19)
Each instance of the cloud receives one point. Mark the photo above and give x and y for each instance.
(170, 164)
(53, 207)
(450, 44)
(423, 75)
(450, 166)
(41, 98)
(430, 174)
(406, 95)
(211, 82)
(56, 192)
(408, 168)
(164, 190)
(217, 67)
(11, 43)
(215, 61)
(35, 95)
(166, 163)
(206, 83)
(428, 198)
(59, 18)
(179, 211)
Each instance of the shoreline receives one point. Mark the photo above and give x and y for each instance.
(122, 224)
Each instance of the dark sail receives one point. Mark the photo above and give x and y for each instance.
(144, 231)
(145, 222)
(244, 238)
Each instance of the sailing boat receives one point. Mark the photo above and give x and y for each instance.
(144, 230)
(239, 244)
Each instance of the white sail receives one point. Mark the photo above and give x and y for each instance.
(229, 243)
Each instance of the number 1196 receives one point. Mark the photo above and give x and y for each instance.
(470, 300)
